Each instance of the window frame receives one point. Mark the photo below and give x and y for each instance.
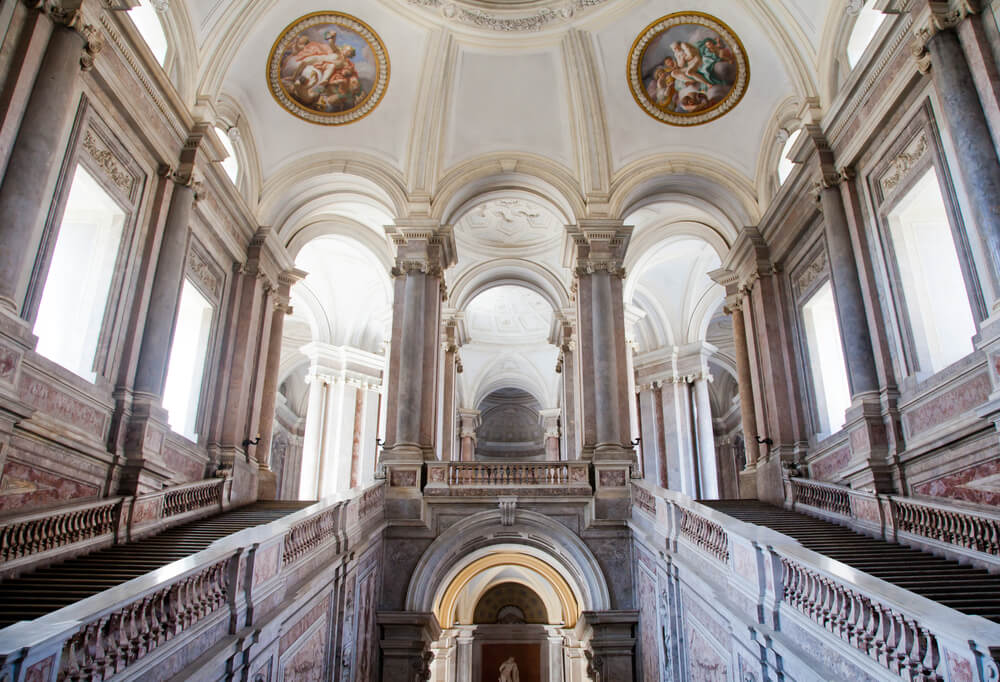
(809, 274)
(97, 149)
(209, 280)
(884, 202)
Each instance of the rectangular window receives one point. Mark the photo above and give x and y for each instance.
(826, 359)
(71, 310)
(933, 287)
(187, 361)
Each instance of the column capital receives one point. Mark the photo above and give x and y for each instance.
(931, 17)
(422, 245)
(597, 245)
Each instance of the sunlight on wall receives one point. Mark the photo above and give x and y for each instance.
(868, 23)
(147, 21)
(785, 164)
(933, 286)
(71, 312)
(826, 358)
(230, 164)
(187, 361)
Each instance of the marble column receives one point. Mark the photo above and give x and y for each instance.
(424, 250)
(858, 355)
(659, 433)
(550, 423)
(597, 251)
(708, 469)
(148, 422)
(36, 156)
(266, 484)
(468, 423)
(745, 380)
(312, 439)
(449, 410)
(962, 115)
(463, 659)
(566, 367)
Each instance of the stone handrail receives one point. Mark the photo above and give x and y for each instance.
(977, 531)
(540, 477)
(192, 496)
(937, 525)
(103, 635)
(44, 531)
(898, 631)
(705, 534)
(38, 538)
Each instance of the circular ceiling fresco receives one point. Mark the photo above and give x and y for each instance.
(687, 68)
(328, 68)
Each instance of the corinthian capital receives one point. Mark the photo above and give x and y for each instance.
(933, 16)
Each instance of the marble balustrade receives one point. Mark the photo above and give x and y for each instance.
(959, 532)
(485, 478)
(39, 538)
(805, 608)
(181, 611)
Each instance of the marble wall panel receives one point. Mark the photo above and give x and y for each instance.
(49, 399)
(979, 483)
(829, 467)
(649, 643)
(366, 638)
(705, 664)
(295, 631)
(306, 663)
(948, 405)
(24, 486)
(265, 564)
(40, 671)
(185, 467)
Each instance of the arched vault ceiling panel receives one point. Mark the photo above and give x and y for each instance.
(733, 139)
(509, 101)
(282, 137)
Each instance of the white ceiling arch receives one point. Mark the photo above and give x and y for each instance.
(510, 370)
(531, 275)
(336, 225)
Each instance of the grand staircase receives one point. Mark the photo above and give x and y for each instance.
(35, 594)
(969, 590)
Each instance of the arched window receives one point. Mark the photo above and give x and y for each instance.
(230, 164)
(785, 164)
(867, 25)
(147, 20)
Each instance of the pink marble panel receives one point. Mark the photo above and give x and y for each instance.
(23, 486)
(866, 510)
(612, 479)
(188, 469)
(302, 624)
(980, 484)
(367, 637)
(705, 664)
(41, 671)
(959, 668)
(648, 628)
(265, 564)
(436, 474)
(828, 467)
(9, 359)
(54, 402)
(948, 405)
(146, 511)
(306, 664)
(744, 562)
(403, 479)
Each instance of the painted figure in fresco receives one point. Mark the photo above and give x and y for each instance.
(697, 72)
(508, 671)
(324, 76)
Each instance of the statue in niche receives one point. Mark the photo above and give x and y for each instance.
(508, 671)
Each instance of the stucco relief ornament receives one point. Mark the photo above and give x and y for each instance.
(328, 68)
(687, 68)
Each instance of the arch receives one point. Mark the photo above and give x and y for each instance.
(509, 271)
(340, 226)
(323, 176)
(532, 534)
(230, 114)
(445, 605)
(545, 180)
(524, 379)
(716, 186)
(784, 122)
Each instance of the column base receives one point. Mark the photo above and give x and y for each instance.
(869, 468)
(145, 470)
(405, 639)
(748, 483)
